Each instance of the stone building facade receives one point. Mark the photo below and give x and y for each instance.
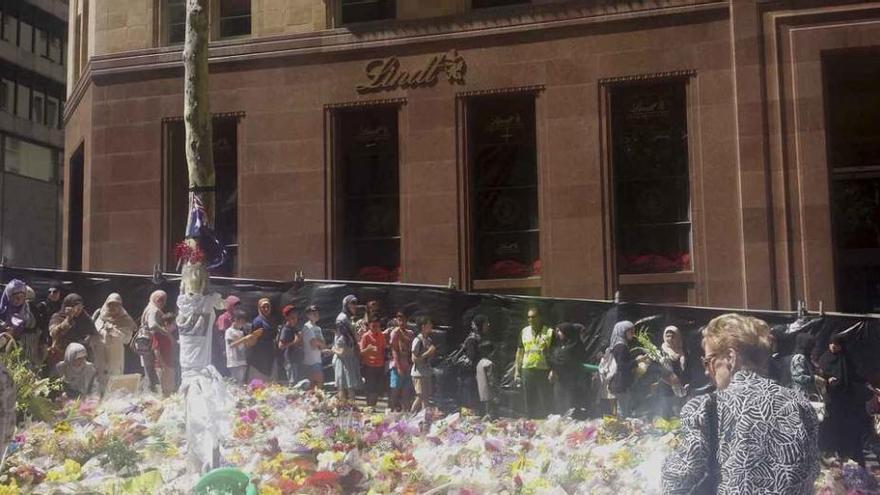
(687, 151)
(33, 34)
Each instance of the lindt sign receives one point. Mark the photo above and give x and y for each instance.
(386, 74)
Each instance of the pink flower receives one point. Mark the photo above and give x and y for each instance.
(256, 384)
(248, 416)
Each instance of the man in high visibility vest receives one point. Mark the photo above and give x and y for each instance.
(531, 365)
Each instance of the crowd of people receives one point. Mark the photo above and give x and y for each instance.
(812, 402)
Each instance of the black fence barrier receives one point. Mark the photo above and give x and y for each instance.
(452, 311)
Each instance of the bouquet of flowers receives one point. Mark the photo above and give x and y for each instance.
(32, 392)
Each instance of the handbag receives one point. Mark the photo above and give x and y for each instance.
(142, 340)
(709, 484)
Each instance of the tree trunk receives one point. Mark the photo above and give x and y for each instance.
(199, 138)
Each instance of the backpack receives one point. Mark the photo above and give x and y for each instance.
(607, 367)
(142, 340)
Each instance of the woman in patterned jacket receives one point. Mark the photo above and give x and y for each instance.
(764, 438)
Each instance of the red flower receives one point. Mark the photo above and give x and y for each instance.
(184, 252)
(322, 478)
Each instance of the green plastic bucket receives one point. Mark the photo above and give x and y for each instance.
(225, 481)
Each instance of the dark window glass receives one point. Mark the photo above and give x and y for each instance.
(75, 209)
(42, 47)
(503, 163)
(235, 18)
(26, 36)
(368, 200)
(480, 4)
(176, 19)
(23, 103)
(37, 112)
(10, 27)
(55, 49)
(852, 105)
(51, 112)
(7, 95)
(226, 179)
(650, 162)
(853, 100)
(367, 10)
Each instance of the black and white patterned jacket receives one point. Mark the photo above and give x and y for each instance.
(767, 441)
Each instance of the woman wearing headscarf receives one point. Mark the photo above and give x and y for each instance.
(156, 322)
(263, 354)
(30, 339)
(224, 321)
(468, 362)
(803, 374)
(346, 356)
(115, 329)
(622, 381)
(15, 312)
(674, 374)
(70, 324)
(565, 358)
(846, 422)
(77, 373)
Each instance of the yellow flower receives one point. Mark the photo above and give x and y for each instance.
(623, 458)
(269, 490)
(388, 462)
(10, 489)
(62, 427)
(70, 471)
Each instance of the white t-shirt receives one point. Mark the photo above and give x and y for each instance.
(310, 354)
(235, 356)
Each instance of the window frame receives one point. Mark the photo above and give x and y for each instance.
(41, 35)
(38, 115)
(53, 117)
(339, 8)
(217, 22)
(7, 104)
(165, 22)
(335, 190)
(532, 284)
(691, 280)
(167, 238)
(19, 98)
(13, 20)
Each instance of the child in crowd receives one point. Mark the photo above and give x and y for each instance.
(236, 343)
(401, 364)
(313, 346)
(291, 343)
(422, 374)
(486, 378)
(373, 359)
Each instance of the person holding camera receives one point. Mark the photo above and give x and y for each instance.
(70, 324)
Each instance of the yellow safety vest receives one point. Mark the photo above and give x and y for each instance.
(534, 347)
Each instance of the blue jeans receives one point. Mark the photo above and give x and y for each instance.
(292, 373)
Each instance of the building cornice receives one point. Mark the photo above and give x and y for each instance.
(390, 34)
(77, 92)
